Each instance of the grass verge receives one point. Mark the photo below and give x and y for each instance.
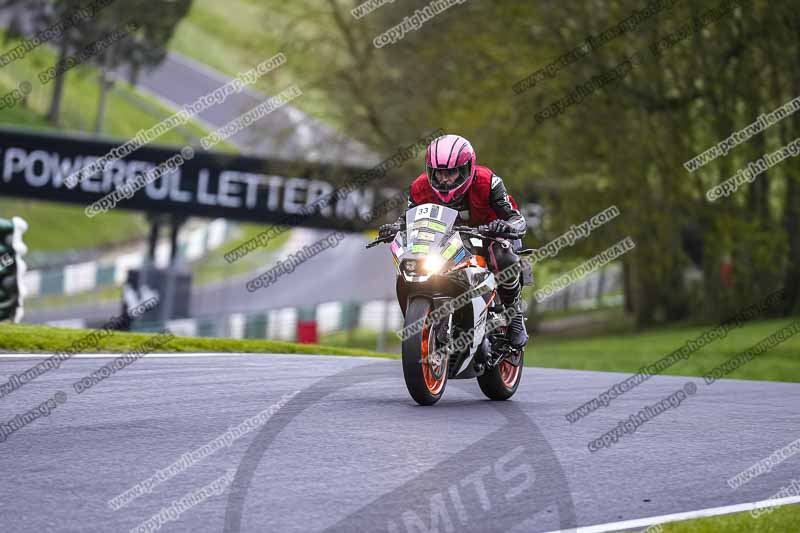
(361, 338)
(41, 339)
(628, 353)
(780, 520)
(53, 226)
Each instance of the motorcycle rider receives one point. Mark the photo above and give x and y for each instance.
(453, 179)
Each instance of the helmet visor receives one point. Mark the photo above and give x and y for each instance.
(447, 179)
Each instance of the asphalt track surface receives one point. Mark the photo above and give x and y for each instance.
(352, 452)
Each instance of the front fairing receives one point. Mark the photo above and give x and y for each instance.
(428, 246)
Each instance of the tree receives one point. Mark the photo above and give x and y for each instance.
(145, 47)
(624, 144)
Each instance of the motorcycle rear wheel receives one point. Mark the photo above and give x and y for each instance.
(424, 370)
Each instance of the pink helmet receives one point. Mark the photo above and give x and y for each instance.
(451, 152)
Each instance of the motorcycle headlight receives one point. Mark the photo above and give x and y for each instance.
(433, 264)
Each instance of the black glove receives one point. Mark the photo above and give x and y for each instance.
(389, 230)
(498, 227)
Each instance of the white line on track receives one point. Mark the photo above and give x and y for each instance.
(663, 519)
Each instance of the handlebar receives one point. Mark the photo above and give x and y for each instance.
(380, 240)
(476, 232)
(468, 230)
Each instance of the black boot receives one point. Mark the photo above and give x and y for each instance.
(516, 334)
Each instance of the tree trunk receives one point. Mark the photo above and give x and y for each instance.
(58, 86)
(627, 286)
(106, 82)
(792, 225)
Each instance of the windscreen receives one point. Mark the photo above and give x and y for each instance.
(427, 225)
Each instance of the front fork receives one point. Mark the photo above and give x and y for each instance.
(441, 331)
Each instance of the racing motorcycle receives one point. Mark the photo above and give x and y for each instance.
(455, 325)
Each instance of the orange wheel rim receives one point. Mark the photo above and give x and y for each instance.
(432, 369)
(509, 374)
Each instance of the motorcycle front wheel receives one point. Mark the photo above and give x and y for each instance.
(424, 369)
